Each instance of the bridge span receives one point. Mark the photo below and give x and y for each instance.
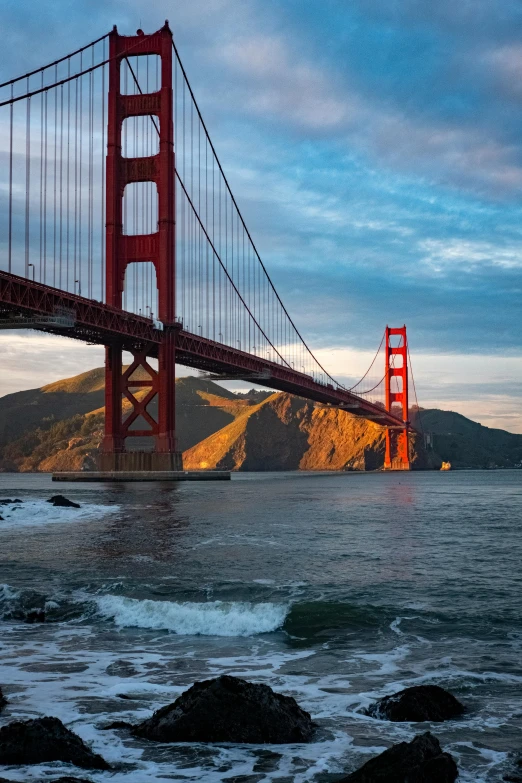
(114, 188)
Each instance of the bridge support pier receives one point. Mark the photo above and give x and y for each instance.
(397, 454)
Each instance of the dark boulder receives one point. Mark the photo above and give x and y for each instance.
(45, 739)
(515, 776)
(420, 703)
(60, 500)
(3, 700)
(68, 779)
(418, 761)
(30, 608)
(229, 709)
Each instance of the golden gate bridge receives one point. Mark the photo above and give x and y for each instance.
(118, 227)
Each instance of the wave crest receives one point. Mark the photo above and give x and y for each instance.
(215, 618)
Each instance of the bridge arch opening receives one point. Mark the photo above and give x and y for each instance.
(140, 208)
(143, 70)
(140, 289)
(140, 137)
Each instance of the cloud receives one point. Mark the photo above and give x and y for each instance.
(284, 86)
(458, 255)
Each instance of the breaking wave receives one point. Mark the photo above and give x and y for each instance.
(215, 618)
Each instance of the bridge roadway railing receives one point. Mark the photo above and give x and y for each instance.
(102, 324)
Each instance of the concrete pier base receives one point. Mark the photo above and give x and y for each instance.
(142, 475)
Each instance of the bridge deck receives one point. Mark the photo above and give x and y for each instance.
(102, 324)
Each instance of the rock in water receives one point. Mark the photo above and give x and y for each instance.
(420, 703)
(3, 700)
(60, 500)
(228, 709)
(69, 779)
(45, 739)
(418, 761)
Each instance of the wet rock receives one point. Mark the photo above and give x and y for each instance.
(68, 779)
(30, 608)
(515, 776)
(418, 761)
(3, 700)
(228, 709)
(121, 668)
(420, 703)
(116, 724)
(45, 739)
(60, 500)
(35, 616)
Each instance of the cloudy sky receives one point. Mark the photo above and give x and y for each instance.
(375, 149)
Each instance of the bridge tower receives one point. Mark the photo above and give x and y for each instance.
(397, 455)
(157, 247)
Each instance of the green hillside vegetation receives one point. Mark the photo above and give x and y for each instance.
(466, 443)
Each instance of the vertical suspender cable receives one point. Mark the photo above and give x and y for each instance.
(10, 213)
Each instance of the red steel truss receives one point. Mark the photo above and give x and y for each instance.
(120, 330)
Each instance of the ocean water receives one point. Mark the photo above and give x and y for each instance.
(335, 589)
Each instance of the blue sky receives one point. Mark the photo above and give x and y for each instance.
(375, 150)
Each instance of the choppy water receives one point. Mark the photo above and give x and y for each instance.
(333, 589)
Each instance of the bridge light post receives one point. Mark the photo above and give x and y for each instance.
(29, 265)
(79, 287)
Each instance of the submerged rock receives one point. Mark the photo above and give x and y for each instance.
(418, 761)
(228, 709)
(45, 739)
(29, 607)
(68, 779)
(60, 500)
(420, 703)
(3, 700)
(515, 776)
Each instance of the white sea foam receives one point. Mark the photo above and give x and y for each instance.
(34, 513)
(215, 618)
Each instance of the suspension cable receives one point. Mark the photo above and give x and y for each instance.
(56, 62)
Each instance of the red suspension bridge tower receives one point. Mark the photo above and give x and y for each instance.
(397, 456)
(157, 247)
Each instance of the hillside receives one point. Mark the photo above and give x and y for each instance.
(60, 427)
(466, 443)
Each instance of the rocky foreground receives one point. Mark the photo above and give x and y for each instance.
(229, 709)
